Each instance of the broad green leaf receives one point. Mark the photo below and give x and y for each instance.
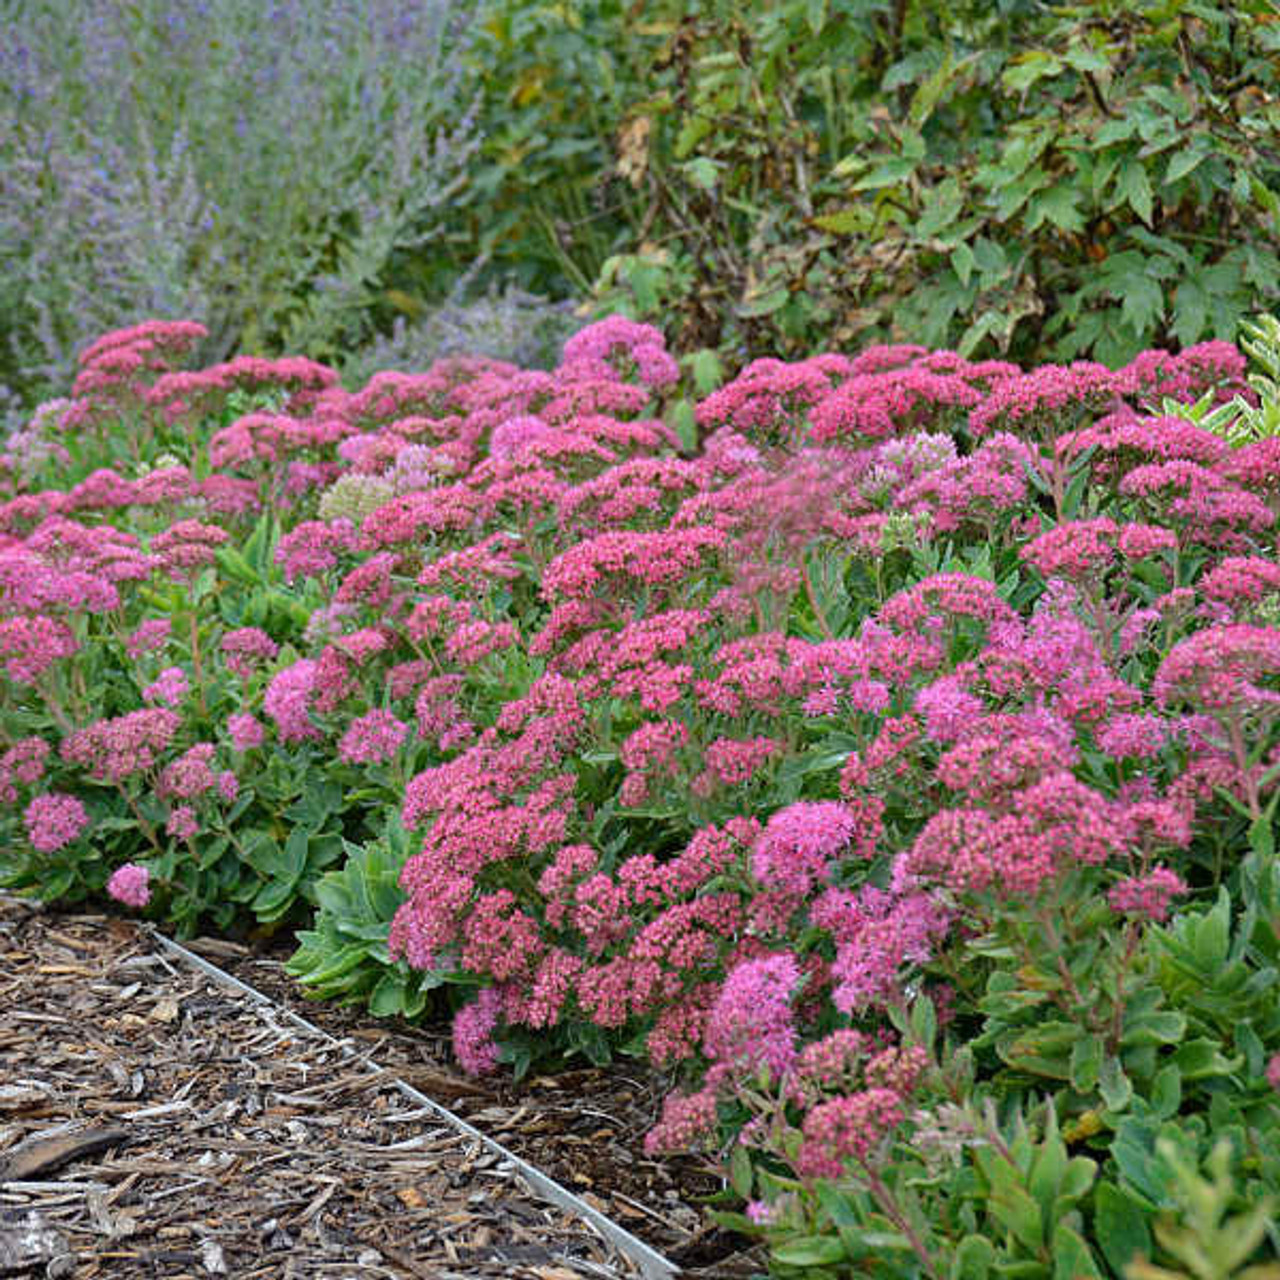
(1057, 205)
(1133, 186)
(1166, 1091)
(1086, 1059)
(842, 222)
(1013, 1207)
(1190, 311)
(810, 1251)
(692, 132)
(1262, 836)
(1121, 1227)
(1114, 1085)
(1029, 67)
(1048, 1168)
(703, 172)
(932, 90)
(1072, 1257)
(973, 1259)
(1184, 162)
(741, 1176)
(941, 208)
(887, 174)
(388, 997)
(763, 304)
(708, 371)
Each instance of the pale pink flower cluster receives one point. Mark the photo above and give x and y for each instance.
(54, 821)
(372, 738)
(130, 884)
(1149, 896)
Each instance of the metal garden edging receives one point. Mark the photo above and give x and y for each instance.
(650, 1262)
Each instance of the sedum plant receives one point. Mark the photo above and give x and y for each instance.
(897, 772)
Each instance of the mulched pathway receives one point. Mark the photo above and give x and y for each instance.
(154, 1123)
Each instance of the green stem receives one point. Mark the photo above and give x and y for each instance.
(195, 663)
(823, 625)
(1235, 735)
(147, 829)
(884, 1198)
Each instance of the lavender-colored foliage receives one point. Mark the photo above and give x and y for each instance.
(254, 165)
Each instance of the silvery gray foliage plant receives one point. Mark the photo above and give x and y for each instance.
(509, 324)
(254, 164)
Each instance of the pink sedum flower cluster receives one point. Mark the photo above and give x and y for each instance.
(130, 884)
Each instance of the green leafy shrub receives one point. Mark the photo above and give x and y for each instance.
(1045, 181)
(544, 205)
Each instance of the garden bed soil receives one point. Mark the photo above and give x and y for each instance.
(155, 1122)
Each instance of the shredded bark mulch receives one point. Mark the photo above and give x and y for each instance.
(154, 1122)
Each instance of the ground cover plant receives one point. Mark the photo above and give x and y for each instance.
(893, 759)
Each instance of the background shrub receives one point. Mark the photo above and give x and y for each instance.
(1045, 181)
(506, 324)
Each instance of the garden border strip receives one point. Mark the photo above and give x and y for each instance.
(651, 1263)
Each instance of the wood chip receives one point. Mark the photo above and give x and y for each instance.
(26, 1242)
(195, 1134)
(23, 1096)
(44, 1155)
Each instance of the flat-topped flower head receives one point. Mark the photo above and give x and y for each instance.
(130, 884)
(797, 846)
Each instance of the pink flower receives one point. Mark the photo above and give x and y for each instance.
(751, 1024)
(54, 821)
(1149, 896)
(113, 750)
(149, 637)
(246, 731)
(189, 775)
(182, 824)
(685, 1119)
(1222, 668)
(22, 763)
(372, 738)
(1133, 736)
(877, 936)
(797, 845)
(473, 1025)
(287, 700)
(245, 648)
(29, 646)
(1273, 1072)
(128, 884)
(848, 1127)
(170, 688)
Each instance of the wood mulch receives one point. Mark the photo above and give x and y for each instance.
(154, 1122)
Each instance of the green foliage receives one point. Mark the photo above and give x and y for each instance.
(344, 956)
(544, 204)
(1061, 181)
(1043, 181)
(1207, 1243)
(1238, 421)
